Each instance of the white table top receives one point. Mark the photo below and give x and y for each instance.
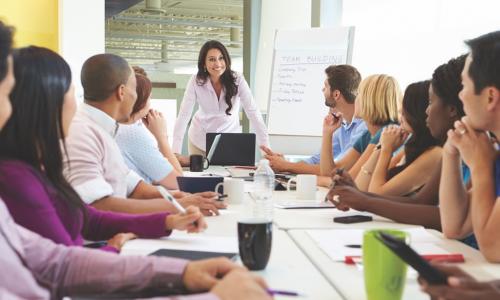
(298, 264)
(322, 218)
(288, 268)
(349, 281)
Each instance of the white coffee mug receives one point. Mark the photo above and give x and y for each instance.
(306, 186)
(234, 188)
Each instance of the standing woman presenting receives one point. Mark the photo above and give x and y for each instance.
(219, 92)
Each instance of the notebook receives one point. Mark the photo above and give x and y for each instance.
(191, 254)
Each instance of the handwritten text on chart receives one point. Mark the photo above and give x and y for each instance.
(311, 59)
(292, 72)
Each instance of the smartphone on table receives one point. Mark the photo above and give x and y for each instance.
(352, 219)
(408, 255)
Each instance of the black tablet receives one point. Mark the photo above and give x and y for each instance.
(408, 255)
(191, 254)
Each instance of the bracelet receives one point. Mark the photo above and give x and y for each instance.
(365, 171)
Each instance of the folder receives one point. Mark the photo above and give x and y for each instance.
(191, 254)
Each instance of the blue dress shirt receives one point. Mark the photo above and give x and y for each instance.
(343, 140)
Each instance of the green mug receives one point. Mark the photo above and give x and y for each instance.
(385, 272)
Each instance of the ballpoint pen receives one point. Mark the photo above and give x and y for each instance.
(164, 193)
(273, 292)
(221, 197)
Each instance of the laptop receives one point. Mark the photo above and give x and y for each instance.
(231, 149)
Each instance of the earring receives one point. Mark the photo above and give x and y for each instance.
(205, 69)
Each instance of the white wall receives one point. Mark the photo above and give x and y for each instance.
(275, 14)
(81, 34)
(280, 14)
(409, 39)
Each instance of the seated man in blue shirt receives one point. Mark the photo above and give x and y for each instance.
(340, 90)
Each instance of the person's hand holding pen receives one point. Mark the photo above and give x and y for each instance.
(332, 196)
(340, 177)
(332, 122)
(344, 193)
(206, 201)
(191, 221)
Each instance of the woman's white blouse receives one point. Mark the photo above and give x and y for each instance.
(211, 115)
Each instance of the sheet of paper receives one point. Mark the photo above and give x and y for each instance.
(239, 172)
(339, 243)
(290, 204)
(183, 241)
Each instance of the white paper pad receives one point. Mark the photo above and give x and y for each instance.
(239, 172)
(198, 242)
(291, 204)
(333, 242)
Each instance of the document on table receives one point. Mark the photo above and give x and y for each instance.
(339, 243)
(240, 172)
(181, 241)
(295, 204)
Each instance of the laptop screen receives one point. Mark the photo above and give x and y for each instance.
(232, 149)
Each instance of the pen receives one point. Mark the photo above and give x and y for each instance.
(95, 245)
(164, 193)
(449, 258)
(283, 293)
(172, 200)
(220, 197)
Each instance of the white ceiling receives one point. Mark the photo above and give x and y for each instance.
(170, 33)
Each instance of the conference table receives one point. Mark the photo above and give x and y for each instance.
(297, 263)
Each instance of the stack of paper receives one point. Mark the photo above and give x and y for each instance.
(339, 243)
(290, 204)
(181, 241)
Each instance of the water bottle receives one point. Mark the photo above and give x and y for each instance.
(263, 180)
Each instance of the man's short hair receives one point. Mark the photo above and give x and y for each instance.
(5, 47)
(102, 74)
(484, 69)
(344, 78)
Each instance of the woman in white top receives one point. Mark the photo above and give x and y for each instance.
(219, 93)
(143, 141)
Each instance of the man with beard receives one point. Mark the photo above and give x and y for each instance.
(340, 91)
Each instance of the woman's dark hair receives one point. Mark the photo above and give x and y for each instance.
(415, 102)
(5, 47)
(34, 132)
(447, 83)
(143, 90)
(228, 78)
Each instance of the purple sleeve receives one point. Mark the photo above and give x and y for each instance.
(72, 271)
(103, 225)
(29, 202)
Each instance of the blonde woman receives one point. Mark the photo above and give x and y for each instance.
(377, 104)
(405, 172)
